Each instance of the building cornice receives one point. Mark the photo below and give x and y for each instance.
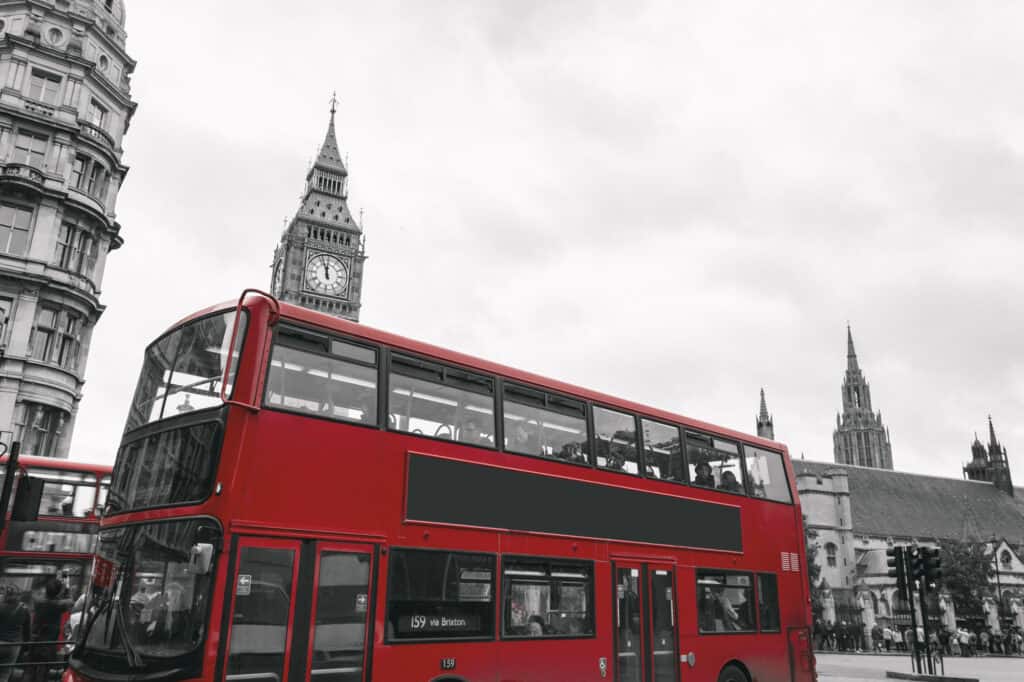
(89, 73)
(84, 21)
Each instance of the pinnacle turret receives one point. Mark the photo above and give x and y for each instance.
(860, 437)
(990, 464)
(992, 442)
(851, 354)
(329, 157)
(765, 425)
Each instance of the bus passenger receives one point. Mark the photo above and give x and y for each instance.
(572, 452)
(524, 440)
(704, 477)
(729, 483)
(535, 626)
(730, 618)
(470, 433)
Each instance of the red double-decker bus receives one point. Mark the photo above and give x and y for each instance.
(49, 535)
(299, 497)
(53, 538)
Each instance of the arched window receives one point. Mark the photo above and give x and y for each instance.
(830, 553)
(1005, 558)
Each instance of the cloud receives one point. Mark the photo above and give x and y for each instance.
(678, 204)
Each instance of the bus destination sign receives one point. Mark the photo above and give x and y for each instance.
(428, 625)
(66, 538)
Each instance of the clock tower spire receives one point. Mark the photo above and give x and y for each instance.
(319, 261)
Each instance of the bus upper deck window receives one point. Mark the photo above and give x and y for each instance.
(322, 376)
(714, 463)
(766, 474)
(615, 440)
(430, 399)
(663, 452)
(66, 493)
(545, 425)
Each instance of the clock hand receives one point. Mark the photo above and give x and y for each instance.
(327, 275)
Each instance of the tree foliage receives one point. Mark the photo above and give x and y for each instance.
(812, 547)
(966, 571)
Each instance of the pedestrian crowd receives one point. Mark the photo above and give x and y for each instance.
(32, 625)
(851, 637)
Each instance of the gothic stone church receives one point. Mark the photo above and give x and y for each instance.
(859, 507)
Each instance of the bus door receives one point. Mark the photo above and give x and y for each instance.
(300, 611)
(645, 622)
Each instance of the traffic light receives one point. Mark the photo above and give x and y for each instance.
(897, 562)
(916, 562)
(932, 565)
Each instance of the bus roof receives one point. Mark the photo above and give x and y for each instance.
(65, 464)
(359, 330)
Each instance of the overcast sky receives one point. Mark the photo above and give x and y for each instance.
(676, 203)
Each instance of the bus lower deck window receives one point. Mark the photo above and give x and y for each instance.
(725, 601)
(439, 595)
(547, 598)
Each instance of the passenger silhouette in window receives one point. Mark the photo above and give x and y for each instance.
(524, 439)
(729, 483)
(704, 477)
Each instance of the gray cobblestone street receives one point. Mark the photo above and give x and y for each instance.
(850, 667)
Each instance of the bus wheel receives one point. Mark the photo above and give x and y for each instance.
(732, 673)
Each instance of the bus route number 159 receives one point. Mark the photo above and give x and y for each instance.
(447, 664)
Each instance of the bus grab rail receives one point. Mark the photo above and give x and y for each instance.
(231, 346)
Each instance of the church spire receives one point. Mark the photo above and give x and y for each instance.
(765, 425)
(993, 444)
(991, 465)
(851, 354)
(860, 437)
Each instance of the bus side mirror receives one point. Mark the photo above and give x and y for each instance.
(27, 499)
(200, 558)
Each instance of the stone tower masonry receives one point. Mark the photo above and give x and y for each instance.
(859, 438)
(319, 261)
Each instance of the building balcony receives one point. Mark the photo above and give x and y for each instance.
(97, 133)
(23, 173)
(87, 199)
(40, 108)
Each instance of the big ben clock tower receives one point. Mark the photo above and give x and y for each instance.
(319, 262)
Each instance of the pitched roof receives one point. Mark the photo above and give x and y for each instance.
(897, 504)
(330, 156)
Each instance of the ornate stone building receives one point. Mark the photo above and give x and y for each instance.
(65, 106)
(859, 437)
(319, 261)
(854, 512)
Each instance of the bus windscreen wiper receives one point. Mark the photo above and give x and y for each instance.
(134, 660)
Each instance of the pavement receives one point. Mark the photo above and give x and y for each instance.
(856, 668)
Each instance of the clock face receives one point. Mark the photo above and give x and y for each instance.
(275, 287)
(326, 274)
